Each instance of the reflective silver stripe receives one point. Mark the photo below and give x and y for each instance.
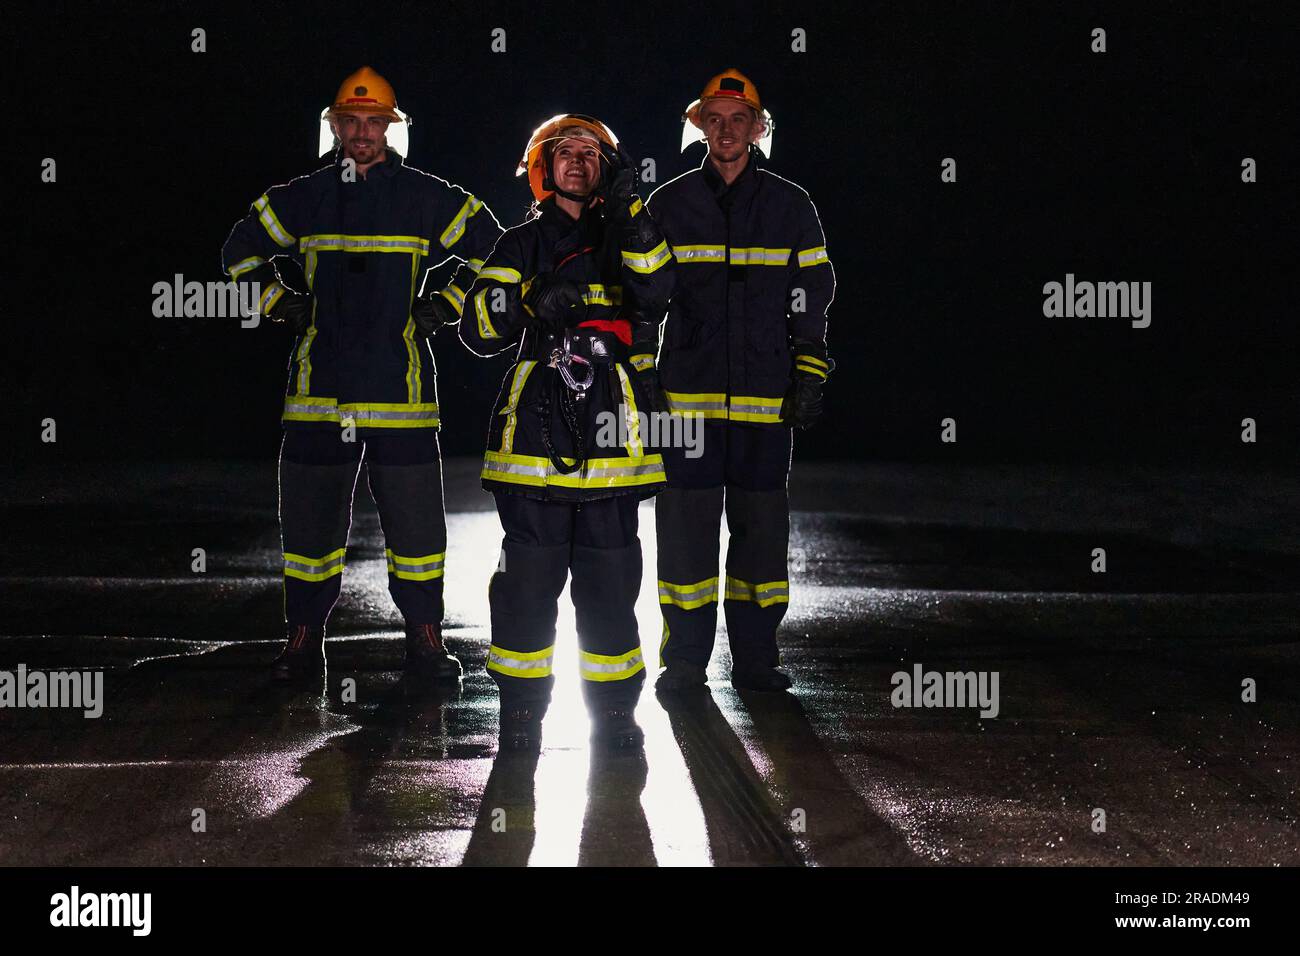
(765, 409)
(398, 563)
(270, 297)
(771, 592)
(597, 294)
(451, 235)
(271, 223)
(330, 243)
(314, 567)
(540, 665)
(686, 405)
(246, 265)
(455, 294)
(757, 256)
(500, 274)
(648, 261)
(522, 371)
(475, 264)
(811, 257)
(515, 468)
(707, 589)
(699, 253)
(329, 411)
(619, 471)
(485, 329)
(349, 411)
(633, 663)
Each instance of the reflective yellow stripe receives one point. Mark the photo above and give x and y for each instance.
(485, 329)
(642, 362)
(811, 369)
(456, 228)
(703, 404)
(607, 667)
(750, 408)
(343, 243)
(313, 569)
(633, 444)
(765, 594)
(246, 265)
(700, 253)
(271, 223)
(500, 274)
(688, 596)
(597, 294)
(311, 408)
(270, 296)
(475, 264)
(634, 208)
(758, 256)
(522, 371)
(535, 472)
(423, 568)
(304, 355)
(811, 360)
(647, 262)
(814, 256)
(520, 664)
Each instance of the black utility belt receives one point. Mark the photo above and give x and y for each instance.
(589, 345)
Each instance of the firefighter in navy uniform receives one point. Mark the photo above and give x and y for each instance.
(744, 347)
(361, 379)
(579, 288)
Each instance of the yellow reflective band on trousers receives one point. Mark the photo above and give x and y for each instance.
(310, 408)
(522, 371)
(765, 594)
(271, 223)
(606, 667)
(456, 228)
(647, 262)
(343, 243)
(307, 568)
(485, 329)
(737, 408)
(688, 596)
(423, 568)
(517, 664)
(536, 472)
(812, 257)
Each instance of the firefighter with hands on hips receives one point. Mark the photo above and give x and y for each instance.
(364, 229)
(744, 346)
(579, 289)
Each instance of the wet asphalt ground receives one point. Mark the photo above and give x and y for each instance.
(1118, 692)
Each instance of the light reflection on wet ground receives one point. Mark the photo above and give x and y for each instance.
(1121, 693)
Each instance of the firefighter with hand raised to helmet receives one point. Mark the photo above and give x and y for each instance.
(578, 291)
(364, 230)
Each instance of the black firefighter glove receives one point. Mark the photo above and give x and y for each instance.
(553, 300)
(432, 312)
(656, 400)
(294, 310)
(803, 402)
(618, 184)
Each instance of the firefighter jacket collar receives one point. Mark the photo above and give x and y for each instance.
(739, 188)
(391, 163)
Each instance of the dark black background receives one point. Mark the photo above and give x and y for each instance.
(1122, 166)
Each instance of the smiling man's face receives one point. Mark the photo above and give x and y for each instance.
(729, 127)
(362, 135)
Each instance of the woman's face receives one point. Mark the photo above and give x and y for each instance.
(576, 165)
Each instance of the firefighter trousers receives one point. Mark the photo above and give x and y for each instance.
(545, 541)
(318, 476)
(744, 469)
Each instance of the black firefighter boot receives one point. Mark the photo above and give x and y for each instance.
(303, 657)
(614, 725)
(427, 656)
(521, 724)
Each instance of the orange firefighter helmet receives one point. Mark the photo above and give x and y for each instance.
(730, 84)
(559, 127)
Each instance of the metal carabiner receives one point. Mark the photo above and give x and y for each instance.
(563, 360)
